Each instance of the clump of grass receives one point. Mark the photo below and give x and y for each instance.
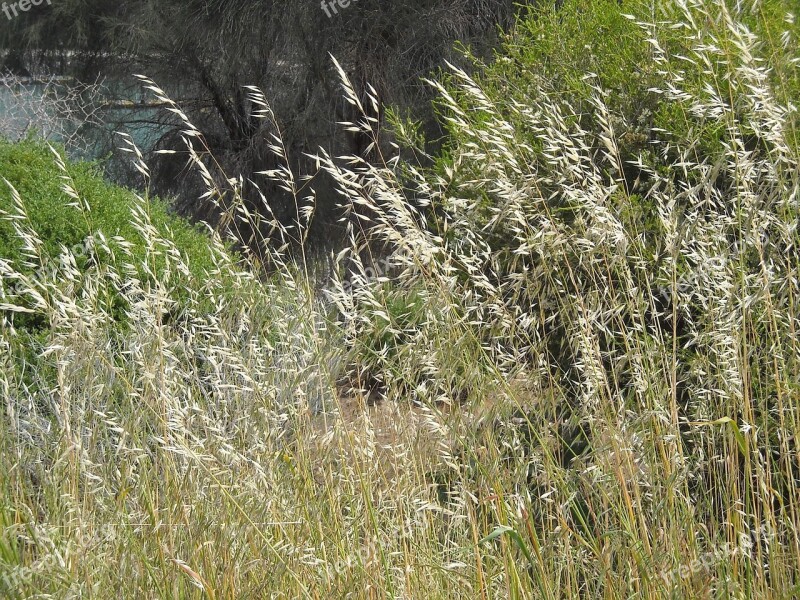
(629, 353)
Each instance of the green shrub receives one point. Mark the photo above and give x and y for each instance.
(101, 211)
(589, 50)
(602, 67)
(409, 341)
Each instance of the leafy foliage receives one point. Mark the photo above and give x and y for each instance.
(70, 209)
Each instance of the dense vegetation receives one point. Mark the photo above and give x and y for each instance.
(53, 211)
(203, 51)
(575, 374)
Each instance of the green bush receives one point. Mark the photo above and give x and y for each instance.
(59, 222)
(603, 66)
(410, 342)
(589, 50)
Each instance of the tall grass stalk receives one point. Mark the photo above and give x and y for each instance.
(217, 453)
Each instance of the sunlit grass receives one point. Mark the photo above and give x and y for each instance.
(411, 434)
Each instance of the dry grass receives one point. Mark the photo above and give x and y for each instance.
(215, 457)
